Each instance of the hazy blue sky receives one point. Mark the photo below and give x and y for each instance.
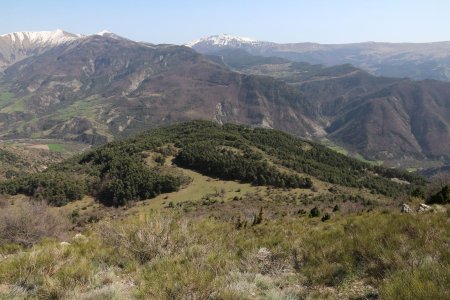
(171, 21)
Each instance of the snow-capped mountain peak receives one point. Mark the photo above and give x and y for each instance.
(222, 40)
(17, 46)
(104, 32)
(107, 33)
(20, 45)
(39, 38)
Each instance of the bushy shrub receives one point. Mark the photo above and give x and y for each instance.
(131, 180)
(441, 197)
(314, 212)
(326, 217)
(25, 223)
(145, 240)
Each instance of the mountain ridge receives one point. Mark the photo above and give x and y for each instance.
(137, 79)
(414, 60)
(360, 111)
(100, 87)
(20, 45)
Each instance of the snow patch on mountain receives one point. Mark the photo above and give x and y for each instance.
(222, 40)
(104, 32)
(107, 33)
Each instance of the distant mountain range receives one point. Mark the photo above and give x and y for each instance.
(96, 88)
(412, 60)
(20, 45)
(364, 113)
(99, 87)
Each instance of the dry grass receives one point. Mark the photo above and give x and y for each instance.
(170, 255)
(148, 238)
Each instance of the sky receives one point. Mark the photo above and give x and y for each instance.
(179, 22)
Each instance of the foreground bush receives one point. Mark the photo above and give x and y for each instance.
(25, 223)
(145, 239)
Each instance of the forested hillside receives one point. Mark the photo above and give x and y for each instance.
(118, 172)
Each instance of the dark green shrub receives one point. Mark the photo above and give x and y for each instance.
(441, 197)
(314, 212)
(56, 188)
(326, 217)
(418, 192)
(226, 164)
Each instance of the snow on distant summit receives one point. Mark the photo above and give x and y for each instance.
(38, 38)
(107, 33)
(222, 40)
(19, 45)
(104, 32)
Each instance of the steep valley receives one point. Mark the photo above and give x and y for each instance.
(96, 88)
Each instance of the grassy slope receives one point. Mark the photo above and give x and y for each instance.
(126, 254)
(84, 108)
(31, 156)
(193, 249)
(5, 98)
(9, 106)
(173, 254)
(56, 147)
